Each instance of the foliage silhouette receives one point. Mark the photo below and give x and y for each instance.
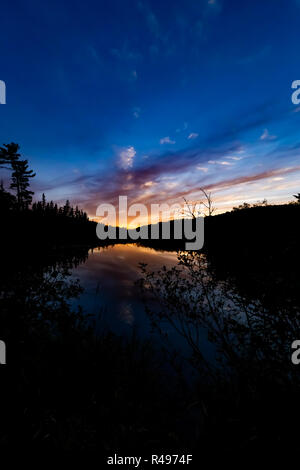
(20, 182)
(251, 382)
(66, 387)
(70, 388)
(297, 196)
(45, 222)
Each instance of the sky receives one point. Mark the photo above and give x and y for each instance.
(153, 99)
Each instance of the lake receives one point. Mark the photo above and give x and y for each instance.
(108, 278)
(111, 295)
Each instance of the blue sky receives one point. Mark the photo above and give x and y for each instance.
(154, 99)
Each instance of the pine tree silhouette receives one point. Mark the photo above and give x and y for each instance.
(7, 200)
(20, 182)
(8, 154)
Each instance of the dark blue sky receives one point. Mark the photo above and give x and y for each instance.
(154, 99)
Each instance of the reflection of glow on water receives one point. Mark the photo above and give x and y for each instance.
(126, 313)
(123, 251)
(118, 266)
(108, 277)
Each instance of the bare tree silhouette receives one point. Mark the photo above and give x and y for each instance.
(297, 196)
(208, 203)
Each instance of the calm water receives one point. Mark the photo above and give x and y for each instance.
(108, 278)
(111, 295)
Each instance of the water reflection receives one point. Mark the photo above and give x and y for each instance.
(108, 278)
(57, 401)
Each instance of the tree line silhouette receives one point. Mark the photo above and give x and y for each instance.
(20, 178)
(44, 220)
(52, 209)
(244, 290)
(20, 183)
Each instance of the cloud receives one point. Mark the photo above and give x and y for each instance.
(126, 157)
(193, 135)
(235, 158)
(106, 187)
(167, 140)
(219, 162)
(252, 178)
(202, 168)
(267, 136)
(148, 184)
(202, 165)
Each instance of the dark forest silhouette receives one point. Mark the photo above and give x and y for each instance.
(42, 221)
(21, 198)
(20, 179)
(69, 387)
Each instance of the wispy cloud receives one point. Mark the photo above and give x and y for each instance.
(193, 135)
(267, 136)
(202, 168)
(234, 158)
(167, 140)
(219, 162)
(252, 178)
(173, 177)
(126, 157)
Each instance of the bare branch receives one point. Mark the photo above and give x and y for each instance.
(209, 202)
